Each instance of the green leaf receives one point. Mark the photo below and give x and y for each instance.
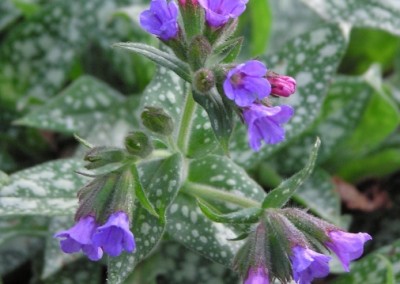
(191, 228)
(220, 114)
(38, 54)
(228, 51)
(312, 60)
(140, 194)
(161, 180)
(13, 227)
(360, 13)
(173, 264)
(261, 17)
(160, 57)
(341, 113)
(9, 13)
(319, 195)
(76, 109)
(379, 164)
(278, 197)
(47, 189)
(248, 215)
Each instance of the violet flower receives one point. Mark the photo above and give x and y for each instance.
(308, 264)
(114, 236)
(257, 275)
(218, 12)
(265, 123)
(347, 246)
(79, 237)
(161, 19)
(246, 83)
(282, 86)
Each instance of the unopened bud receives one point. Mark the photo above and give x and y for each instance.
(101, 156)
(157, 120)
(138, 144)
(199, 50)
(281, 86)
(204, 80)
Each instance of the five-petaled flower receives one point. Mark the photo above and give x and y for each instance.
(246, 83)
(257, 275)
(161, 19)
(308, 264)
(265, 123)
(79, 237)
(219, 12)
(347, 246)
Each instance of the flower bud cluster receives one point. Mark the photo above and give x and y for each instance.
(207, 26)
(291, 244)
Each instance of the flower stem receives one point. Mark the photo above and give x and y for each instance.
(211, 193)
(185, 123)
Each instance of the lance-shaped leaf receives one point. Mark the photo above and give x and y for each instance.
(245, 216)
(47, 189)
(228, 51)
(161, 58)
(220, 114)
(140, 193)
(278, 197)
(161, 180)
(361, 13)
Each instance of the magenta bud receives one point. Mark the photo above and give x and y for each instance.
(282, 86)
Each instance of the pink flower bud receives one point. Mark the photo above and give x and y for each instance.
(282, 86)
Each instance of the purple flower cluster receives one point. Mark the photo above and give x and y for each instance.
(161, 19)
(219, 12)
(247, 86)
(308, 264)
(112, 237)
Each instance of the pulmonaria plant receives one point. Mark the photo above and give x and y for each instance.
(134, 185)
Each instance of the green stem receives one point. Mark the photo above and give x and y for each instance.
(211, 193)
(185, 123)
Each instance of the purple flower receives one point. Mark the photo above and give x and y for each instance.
(282, 86)
(265, 123)
(257, 276)
(115, 236)
(79, 237)
(218, 12)
(308, 264)
(347, 246)
(246, 83)
(161, 19)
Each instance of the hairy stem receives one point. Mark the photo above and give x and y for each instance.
(211, 193)
(185, 124)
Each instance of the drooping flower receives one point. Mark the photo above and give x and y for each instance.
(308, 264)
(114, 236)
(257, 275)
(218, 12)
(265, 123)
(347, 246)
(245, 83)
(282, 86)
(161, 19)
(79, 237)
